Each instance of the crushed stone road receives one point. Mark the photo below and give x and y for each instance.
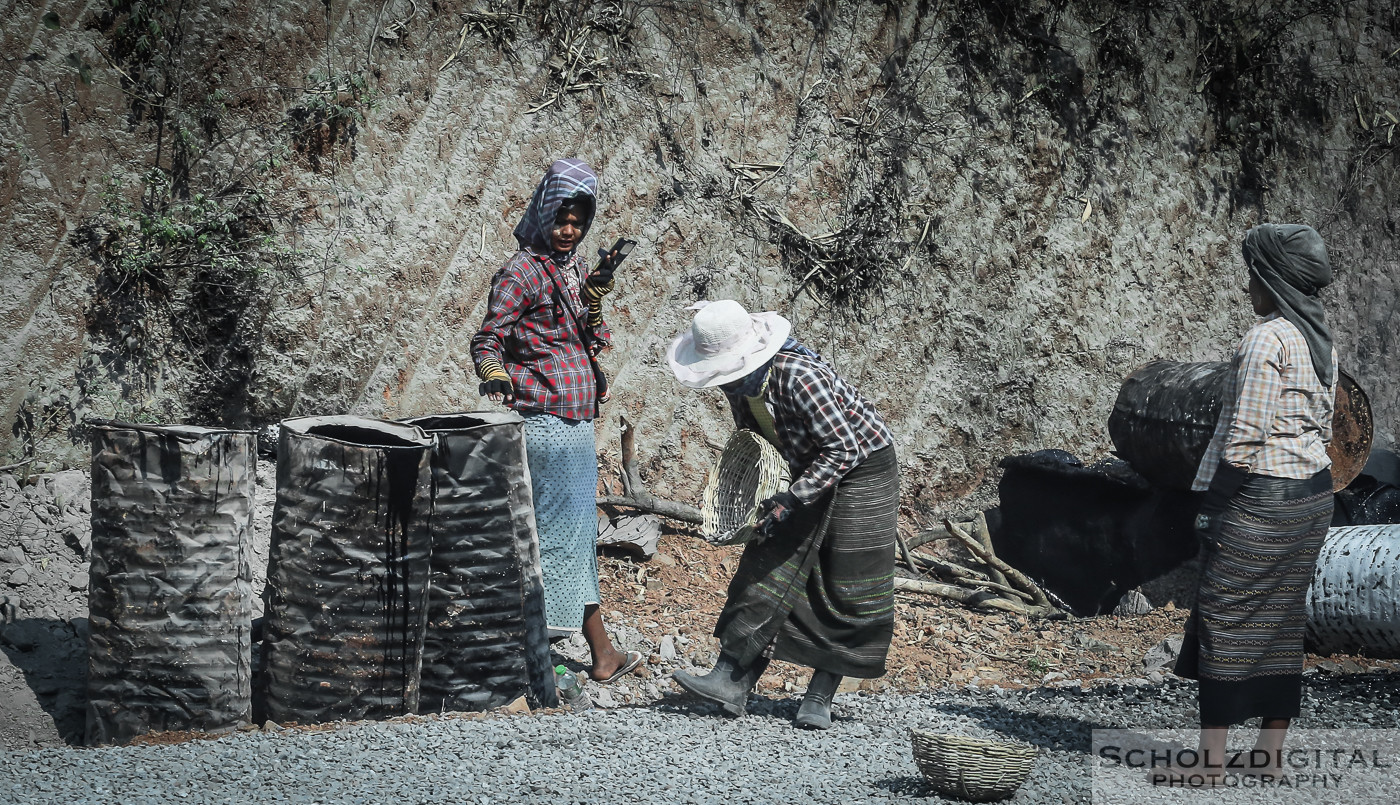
(677, 751)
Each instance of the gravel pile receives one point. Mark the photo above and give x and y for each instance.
(45, 536)
(677, 751)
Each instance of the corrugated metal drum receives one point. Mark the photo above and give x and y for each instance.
(348, 569)
(1166, 412)
(170, 598)
(486, 642)
(1354, 601)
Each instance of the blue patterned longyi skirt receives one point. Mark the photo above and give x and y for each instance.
(564, 477)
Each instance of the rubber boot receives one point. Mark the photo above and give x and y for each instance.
(726, 684)
(815, 712)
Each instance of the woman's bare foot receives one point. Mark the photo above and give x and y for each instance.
(613, 665)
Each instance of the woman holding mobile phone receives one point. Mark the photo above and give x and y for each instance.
(535, 352)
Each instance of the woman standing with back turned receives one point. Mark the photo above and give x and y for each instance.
(544, 322)
(1268, 499)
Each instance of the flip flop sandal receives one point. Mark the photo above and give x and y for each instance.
(634, 658)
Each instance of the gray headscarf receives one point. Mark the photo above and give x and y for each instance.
(1291, 261)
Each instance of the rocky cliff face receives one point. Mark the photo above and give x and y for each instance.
(985, 214)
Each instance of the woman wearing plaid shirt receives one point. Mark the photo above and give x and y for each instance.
(544, 321)
(1268, 499)
(818, 589)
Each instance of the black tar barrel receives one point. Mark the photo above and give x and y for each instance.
(348, 570)
(486, 642)
(1088, 534)
(1166, 412)
(169, 598)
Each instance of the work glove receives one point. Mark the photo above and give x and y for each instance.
(775, 510)
(497, 386)
(1227, 481)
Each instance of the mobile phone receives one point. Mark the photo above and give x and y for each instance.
(622, 248)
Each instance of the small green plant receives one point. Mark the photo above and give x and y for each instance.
(1037, 666)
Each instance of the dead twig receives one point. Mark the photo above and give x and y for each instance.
(635, 494)
(496, 27)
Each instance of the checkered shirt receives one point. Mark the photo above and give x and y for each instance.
(537, 340)
(824, 426)
(1276, 418)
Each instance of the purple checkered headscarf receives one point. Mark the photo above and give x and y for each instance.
(564, 179)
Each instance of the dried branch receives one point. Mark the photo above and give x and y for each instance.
(927, 536)
(984, 536)
(904, 551)
(968, 577)
(991, 560)
(635, 494)
(977, 599)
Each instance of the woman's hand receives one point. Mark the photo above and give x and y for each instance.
(498, 390)
(775, 510)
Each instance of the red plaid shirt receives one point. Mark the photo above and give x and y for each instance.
(528, 330)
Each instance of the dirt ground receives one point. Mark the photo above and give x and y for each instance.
(937, 643)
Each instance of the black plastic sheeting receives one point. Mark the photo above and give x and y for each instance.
(486, 642)
(170, 598)
(1374, 497)
(348, 570)
(1164, 417)
(1089, 534)
(1166, 412)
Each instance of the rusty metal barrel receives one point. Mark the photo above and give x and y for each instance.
(486, 642)
(170, 598)
(348, 570)
(1354, 602)
(1166, 412)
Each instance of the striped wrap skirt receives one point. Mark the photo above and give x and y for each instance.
(819, 591)
(1244, 639)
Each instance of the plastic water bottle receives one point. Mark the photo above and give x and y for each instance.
(571, 690)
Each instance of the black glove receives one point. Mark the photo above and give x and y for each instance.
(598, 285)
(607, 264)
(1227, 481)
(498, 390)
(774, 510)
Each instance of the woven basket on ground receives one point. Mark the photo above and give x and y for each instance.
(973, 769)
(748, 471)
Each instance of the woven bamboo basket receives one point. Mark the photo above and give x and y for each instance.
(748, 471)
(972, 769)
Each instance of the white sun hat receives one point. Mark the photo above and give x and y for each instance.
(724, 343)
